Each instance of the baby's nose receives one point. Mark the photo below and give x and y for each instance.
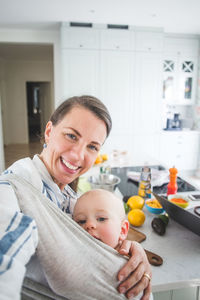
(90, 224)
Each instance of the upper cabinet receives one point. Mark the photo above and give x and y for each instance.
(180, 63)
(149, 41)
(79, 38)
(116, 39)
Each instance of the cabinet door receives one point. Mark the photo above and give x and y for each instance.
(170, 70)
(147, 93)
(115, 39)
(149, 41)
(181, 46)
(80, 72)
(116, 84)
(179, 149)
(187, 78)
(180, 70)
(86, 38)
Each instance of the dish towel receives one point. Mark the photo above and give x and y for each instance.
(76, 265)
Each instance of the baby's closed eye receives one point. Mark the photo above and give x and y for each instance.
(81, 222)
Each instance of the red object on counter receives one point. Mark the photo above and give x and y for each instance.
(172, 186)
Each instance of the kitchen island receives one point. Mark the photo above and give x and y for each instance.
(179, 249)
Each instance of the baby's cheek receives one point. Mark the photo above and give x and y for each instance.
(110, 237)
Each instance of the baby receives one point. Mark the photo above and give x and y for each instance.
(102, 215)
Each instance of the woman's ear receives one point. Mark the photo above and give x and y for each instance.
(47, 131)
(124, 230)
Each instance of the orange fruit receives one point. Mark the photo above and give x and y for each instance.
(135, 202)
(136, 217)
(104, 156)
(98, 160)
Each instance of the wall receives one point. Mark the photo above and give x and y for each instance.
(2, 95)
(51, 37)
(16, 75)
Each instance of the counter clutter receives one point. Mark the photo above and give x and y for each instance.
(179, 247)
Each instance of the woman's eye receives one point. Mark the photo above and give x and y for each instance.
(81, 222)
(94, 148)
(102, 219)
(71, 136)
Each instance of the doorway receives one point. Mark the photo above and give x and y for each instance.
(38, 108)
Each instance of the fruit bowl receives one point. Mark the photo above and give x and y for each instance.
(154, 207)
(104, 181)
(180, 200)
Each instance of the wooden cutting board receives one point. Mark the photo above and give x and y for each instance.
(135, 235)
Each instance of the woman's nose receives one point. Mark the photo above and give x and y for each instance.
(78, 151)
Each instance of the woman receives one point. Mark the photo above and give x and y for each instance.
(73, 137)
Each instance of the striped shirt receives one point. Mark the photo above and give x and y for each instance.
(18, 232)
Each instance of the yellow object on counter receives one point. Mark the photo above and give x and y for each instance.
(101, 158)
(154, 203)
(136, 217)
(135, 202)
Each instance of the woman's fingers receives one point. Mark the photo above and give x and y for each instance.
(136, 284)
(133, 283)
(137, 256)
(143, 287)
(132, 273)
(147, 292)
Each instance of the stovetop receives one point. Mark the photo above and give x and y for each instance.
(129, 187)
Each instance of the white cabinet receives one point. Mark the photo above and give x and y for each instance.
(122, 68)
(116, 69)
(147, 93)
(179, 149)
(77, 37)
(116, 39)
(180, 70)
(149, 41)
(80, 72)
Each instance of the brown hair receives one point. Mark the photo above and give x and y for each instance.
(89, 102)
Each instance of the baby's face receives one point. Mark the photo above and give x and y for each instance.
(100, 216)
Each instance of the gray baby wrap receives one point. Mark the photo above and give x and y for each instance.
(76, 265)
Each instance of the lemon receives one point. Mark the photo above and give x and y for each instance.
(136, 217)
(99, 159)
(104, 157)
(135, 202)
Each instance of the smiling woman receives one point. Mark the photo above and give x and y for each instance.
(72, 145)
(36, 201)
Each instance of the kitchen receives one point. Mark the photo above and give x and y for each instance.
(126, 66)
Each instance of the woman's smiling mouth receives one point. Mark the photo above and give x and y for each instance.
(68, 165)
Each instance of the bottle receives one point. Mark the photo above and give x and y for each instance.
(144, 189)
(172, 186)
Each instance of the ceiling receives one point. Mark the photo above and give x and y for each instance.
(179, 16)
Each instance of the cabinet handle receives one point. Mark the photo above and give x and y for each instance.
(81, 46)
(117, 47)
(149, 48)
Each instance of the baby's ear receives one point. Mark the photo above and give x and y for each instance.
(124, 230)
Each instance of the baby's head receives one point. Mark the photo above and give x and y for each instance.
(102, 215)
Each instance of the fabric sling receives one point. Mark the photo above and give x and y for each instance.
(76, 265)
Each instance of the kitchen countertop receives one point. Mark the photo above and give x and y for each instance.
(179, 249)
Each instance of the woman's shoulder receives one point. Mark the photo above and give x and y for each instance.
(24, 168)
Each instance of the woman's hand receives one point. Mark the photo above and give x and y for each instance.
(132, 274)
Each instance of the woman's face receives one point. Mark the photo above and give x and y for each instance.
(72, 145)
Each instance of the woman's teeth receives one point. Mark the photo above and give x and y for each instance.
(68, 165)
